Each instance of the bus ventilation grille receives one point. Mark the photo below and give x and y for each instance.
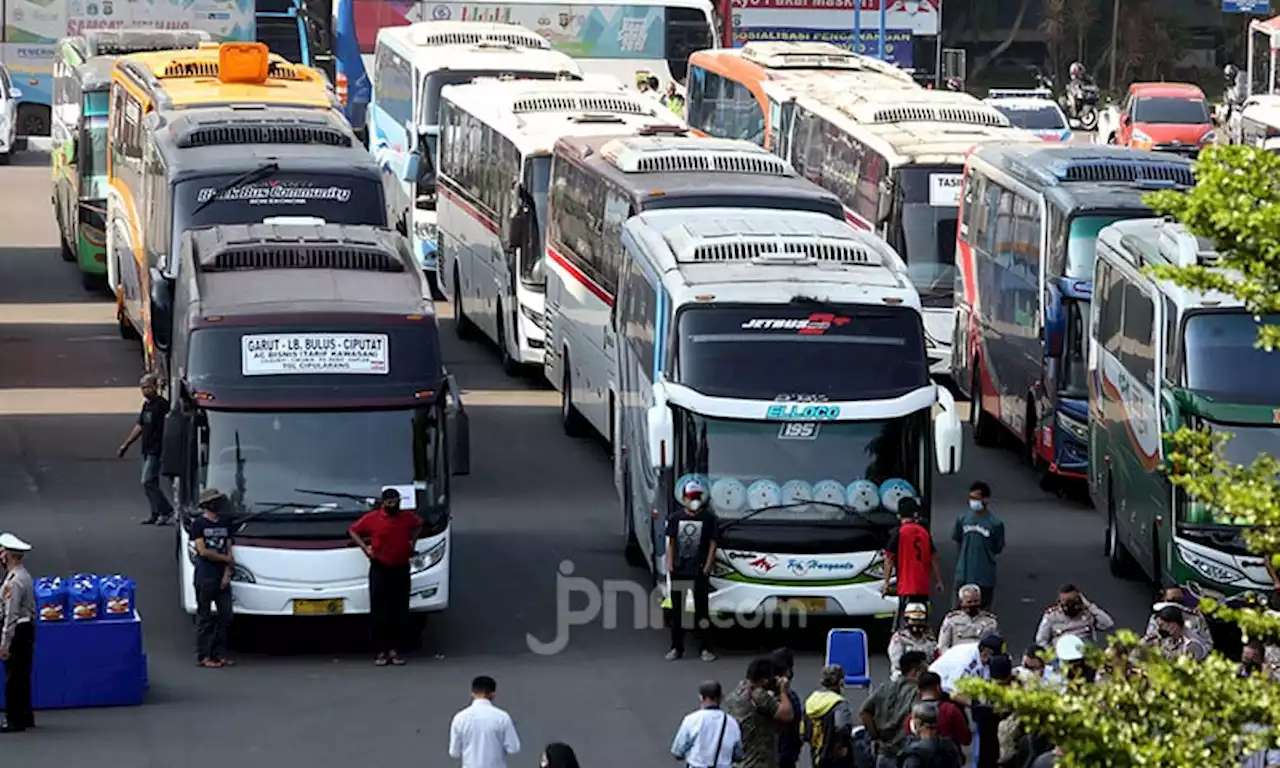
(511, 39)
(1130, 172)
(126, 48)
(722, 162)
(264, 134)
(275, 71)
(302, 257)
(611, 105)
(957, 115)
(831, 253)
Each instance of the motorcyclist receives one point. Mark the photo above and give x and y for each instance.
(955, 84)
(1079, 88)
(1235, 91)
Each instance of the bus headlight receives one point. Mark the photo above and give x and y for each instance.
(1079, 430)
(242, 575)
(421, 561)
(876, 569)
(426, 232)
(721, 570)
(534, 317)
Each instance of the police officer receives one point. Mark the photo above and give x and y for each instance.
(969, 623)
(17, 634)
(1073, 614)
(1171, 638)
(915, 636)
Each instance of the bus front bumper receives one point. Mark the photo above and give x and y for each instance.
(796, 600)
(1064, 448)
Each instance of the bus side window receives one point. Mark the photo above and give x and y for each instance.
(1171, 342)
(1057, 254)
(1138, 353)
(1112, 311)
(748, 117)
(698, 106)
(718, 118)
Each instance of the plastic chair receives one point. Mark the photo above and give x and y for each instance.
(848, 648)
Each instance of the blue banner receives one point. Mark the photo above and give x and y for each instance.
(1260, 7)
(897, 47)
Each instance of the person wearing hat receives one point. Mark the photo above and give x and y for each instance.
(1069, 664)
(692, 538)
(915, 636)
(1171, 638)
(17, 634)
(149, 429)
(828, 721)
(211, 534)
(388, 535)
(1195, 622)
(1073, 614)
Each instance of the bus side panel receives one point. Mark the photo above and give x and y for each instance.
(391, 120)
(965, 333)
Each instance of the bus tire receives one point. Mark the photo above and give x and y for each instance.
(985, 434)
(1119, 561)
(66, 252)
(127, 331)
(92, 283)
(510, 365)
(433, 286)
(631, 545)
(462, 327)
(572, 421)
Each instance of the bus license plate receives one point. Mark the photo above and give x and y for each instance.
(317, 607)
(814, 605)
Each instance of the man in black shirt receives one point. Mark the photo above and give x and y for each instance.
(211, 535)
(691, 550)
(149, 428)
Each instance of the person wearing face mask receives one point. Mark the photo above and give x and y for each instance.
(1073, 614)
(980, 535)
(1253, 659)
(1171, 638)
(708, 737)
(967, 660)
(969, 623)
(1195, 622)
(17, 634)
(692, 535)
(927, 749)
(1032, 668)
(387, 535)
(915, 636)
(149, 428)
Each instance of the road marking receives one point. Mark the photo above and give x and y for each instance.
(59, 401)
(83, 313)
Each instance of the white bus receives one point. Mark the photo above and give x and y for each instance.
(411, 66)
(597, 183)
(492, 203)
(896, 158)
(781, 360)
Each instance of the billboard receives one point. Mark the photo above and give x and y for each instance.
(832, 21)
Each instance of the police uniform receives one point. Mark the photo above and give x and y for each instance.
(1087, 626)
(1193, 621)
(1172, 647)
(959, 627)
(903, 642)
(17, 636)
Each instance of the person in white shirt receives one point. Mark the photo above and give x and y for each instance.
(483, 736)
(708, 737)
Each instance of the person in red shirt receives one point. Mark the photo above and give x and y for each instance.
(387, 536)
(953, 723)
(911, 554)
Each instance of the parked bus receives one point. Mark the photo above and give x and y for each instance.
(202, 167)
(313, 381)
(597, 184)
(780, 359)
(493, 224)
(1162, 357)
(620, 38)
(895, 160)
(748, 92)
(30, 33)
(240, 75)
(81, 84)
(1030, 215)
(412, 65)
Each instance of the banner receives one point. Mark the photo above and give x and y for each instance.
(919, 17)
(897, 48)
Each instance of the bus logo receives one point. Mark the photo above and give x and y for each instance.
(814, 325)
(803, 412)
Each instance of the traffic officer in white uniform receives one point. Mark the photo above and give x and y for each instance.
(17, 634)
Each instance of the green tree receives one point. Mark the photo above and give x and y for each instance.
(1184, 714)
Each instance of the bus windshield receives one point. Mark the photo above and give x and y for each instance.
(93, 159)
(1082, 243)
(537, 181)
(925, 229)
(770, 465)
(767, 352)
(1222, 360)
(1074, 382)
(336, 198)
(261, 459)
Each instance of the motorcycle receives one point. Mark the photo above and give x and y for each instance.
(1081, 103)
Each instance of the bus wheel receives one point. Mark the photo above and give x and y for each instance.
(67, 253)
(510, 365)
(33, 120)
(985, 434)
(92, 283)
(126, 328)
(433, 285)
(462, 327)
(631, 545)
(1119, 561)
(570, 418)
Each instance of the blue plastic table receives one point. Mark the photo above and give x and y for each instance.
(88, 664)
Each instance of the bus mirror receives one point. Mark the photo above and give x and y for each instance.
(661, 436)
(161, 309)
(15, 93)
(458, 429)
(884, 201)
(176, 444)
(947, 434)
(412, 165)
(1170, 420)
(1055, 323)
(514, 234)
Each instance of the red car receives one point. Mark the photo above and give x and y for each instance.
(1169, 117)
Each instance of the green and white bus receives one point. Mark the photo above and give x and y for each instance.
(1162, 357)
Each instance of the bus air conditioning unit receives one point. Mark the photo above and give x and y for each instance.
(595, 102)
(814, 55)
(684, 155)
(437, 33)
(276, 246)
(217, 131)
(1144, 172)
(965, 111)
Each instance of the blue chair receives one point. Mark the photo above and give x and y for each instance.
(848, 648)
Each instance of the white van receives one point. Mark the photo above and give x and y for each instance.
(9, 95)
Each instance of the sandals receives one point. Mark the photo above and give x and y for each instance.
(396, 661)
(384, 659)
(210, 664)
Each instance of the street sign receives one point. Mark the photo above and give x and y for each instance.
(1260, 7)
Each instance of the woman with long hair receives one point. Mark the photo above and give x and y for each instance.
(559, 755)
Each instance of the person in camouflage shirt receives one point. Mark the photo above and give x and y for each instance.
(759, 704)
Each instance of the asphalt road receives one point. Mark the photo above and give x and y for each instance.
(309, 696)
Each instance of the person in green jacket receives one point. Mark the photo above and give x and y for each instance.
(980, 535)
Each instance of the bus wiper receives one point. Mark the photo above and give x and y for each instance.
(268, 507)
(339, 495)
(775, 507)
(266, 169)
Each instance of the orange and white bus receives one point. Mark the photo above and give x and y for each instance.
(742, 93)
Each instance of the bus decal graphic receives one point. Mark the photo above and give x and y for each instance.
(1137, 409)
(816, 324)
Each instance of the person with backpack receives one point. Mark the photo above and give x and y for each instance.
(927, 749)
(708, 737)
(828, 721)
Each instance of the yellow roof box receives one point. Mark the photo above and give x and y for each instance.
(243, 63)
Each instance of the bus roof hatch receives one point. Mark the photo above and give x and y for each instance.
(789, 55)
(654, 154)
(599, 102)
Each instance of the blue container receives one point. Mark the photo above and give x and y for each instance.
(85, 596)
(51, 599)
(117, 596)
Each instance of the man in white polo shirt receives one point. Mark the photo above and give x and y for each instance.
(483, 736)
(708, 737)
